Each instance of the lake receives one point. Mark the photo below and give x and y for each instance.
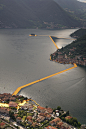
(24, 59)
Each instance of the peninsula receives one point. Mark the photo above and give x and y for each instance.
(74, 52)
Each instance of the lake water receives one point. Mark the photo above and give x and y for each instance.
(24, 59)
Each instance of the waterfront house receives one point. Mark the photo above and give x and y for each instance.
(49, 110)
(83, 126)
(41, 109)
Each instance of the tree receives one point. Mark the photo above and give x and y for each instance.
(67, 113)
(11, 115)
(75, 124)
(79, 124)
(46, 106)
(58, 108)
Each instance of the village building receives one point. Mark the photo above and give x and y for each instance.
(68, 117)
(18, 119)
(12, 104)
(49, 110)
(4, 110)
(65, 126)
(50, 127)
(59, 124)
(2, 125)
(55, 121)
(40, 119)
(41, 109)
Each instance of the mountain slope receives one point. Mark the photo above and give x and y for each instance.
(74, 8)
(72, 5)
(34, 13)
(79, 33)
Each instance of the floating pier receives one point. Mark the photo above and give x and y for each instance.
(42, 79)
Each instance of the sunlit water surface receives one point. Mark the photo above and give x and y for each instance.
(24, 59)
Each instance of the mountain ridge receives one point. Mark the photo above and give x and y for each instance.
(75, 8)
(34, 14)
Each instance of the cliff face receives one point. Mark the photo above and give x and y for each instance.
(33, 14)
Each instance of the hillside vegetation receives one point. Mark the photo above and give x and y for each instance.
(79, 33)
(74, 52)
(75, 8)
(79, 45)
(34, 14)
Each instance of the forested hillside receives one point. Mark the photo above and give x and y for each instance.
(34, 14)
(72, 53)
(74, 8)
(79, 33)
(79, 45)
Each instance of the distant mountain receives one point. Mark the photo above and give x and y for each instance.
(34, 14)
(75, 8)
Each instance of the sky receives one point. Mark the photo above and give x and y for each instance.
(82, 1)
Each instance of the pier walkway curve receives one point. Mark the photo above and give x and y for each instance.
(42, 79)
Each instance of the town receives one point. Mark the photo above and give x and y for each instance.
(67, 57)
(20, 112)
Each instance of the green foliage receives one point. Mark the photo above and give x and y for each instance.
(67, 113)
(75, 9)
(58, 108)
(24, 117)
(11, 114)
(80, 48)
(79, 33)
(73, 121)
(63, 118)
(22, 113)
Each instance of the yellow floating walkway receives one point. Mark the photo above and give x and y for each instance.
(53, 36)
(54, 42)
(29, 84)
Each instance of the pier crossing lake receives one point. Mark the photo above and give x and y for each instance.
(24, 59)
